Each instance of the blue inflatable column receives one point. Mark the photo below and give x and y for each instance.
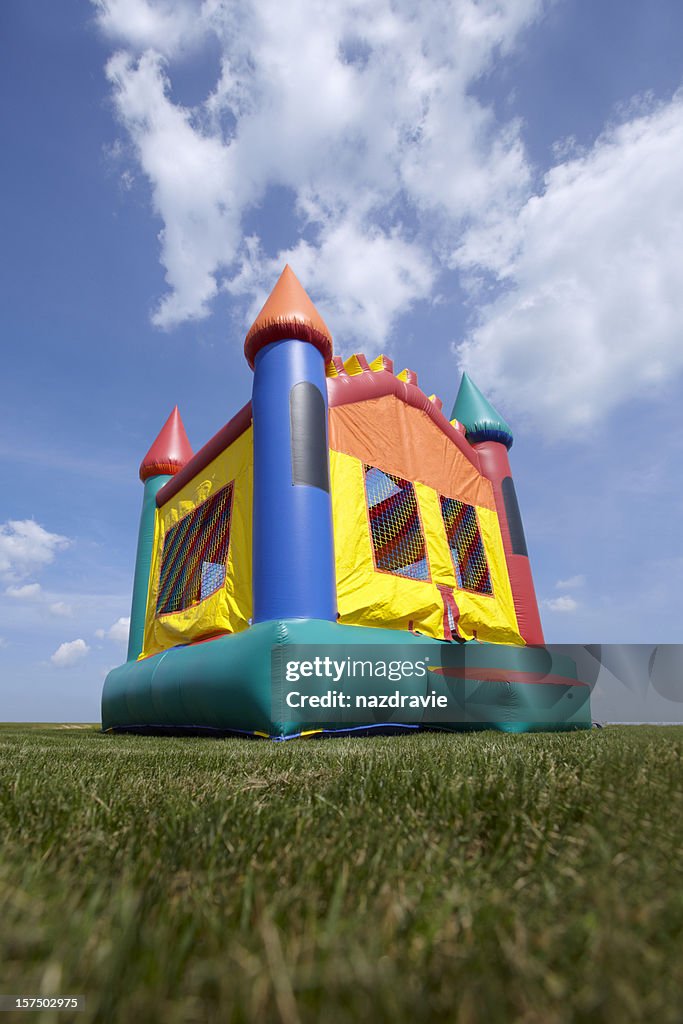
(293, 551)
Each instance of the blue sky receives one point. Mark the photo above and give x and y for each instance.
(494, 185)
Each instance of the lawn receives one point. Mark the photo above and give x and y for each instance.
(429, 877)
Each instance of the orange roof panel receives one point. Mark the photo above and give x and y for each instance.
(288, 313)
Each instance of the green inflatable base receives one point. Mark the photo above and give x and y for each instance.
(234, 684)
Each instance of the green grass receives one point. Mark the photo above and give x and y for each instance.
(430, 877)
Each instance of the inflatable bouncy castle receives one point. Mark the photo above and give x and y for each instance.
(338, 511)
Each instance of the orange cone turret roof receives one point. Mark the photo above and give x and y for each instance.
(288, 313)
(170, 451)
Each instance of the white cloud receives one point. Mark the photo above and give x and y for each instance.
(163, 25)
(593, 311)
(119, 631)
(26, 546)
(397, 171)
(69, 653)
(364, 279)
(363, 109)
(29, 592)
(571, 583)
(565, 603)
(61, 609)
(3, 642)
(190, 176)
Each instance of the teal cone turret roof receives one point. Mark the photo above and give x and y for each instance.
(479, 418)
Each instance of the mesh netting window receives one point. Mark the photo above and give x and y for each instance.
(194, 554)
(397, 538)
(467, 547)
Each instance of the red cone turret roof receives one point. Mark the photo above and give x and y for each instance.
(288, 313)
(170, 451)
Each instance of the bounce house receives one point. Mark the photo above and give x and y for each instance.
(339, 510)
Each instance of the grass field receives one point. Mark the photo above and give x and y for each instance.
(467, 878)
